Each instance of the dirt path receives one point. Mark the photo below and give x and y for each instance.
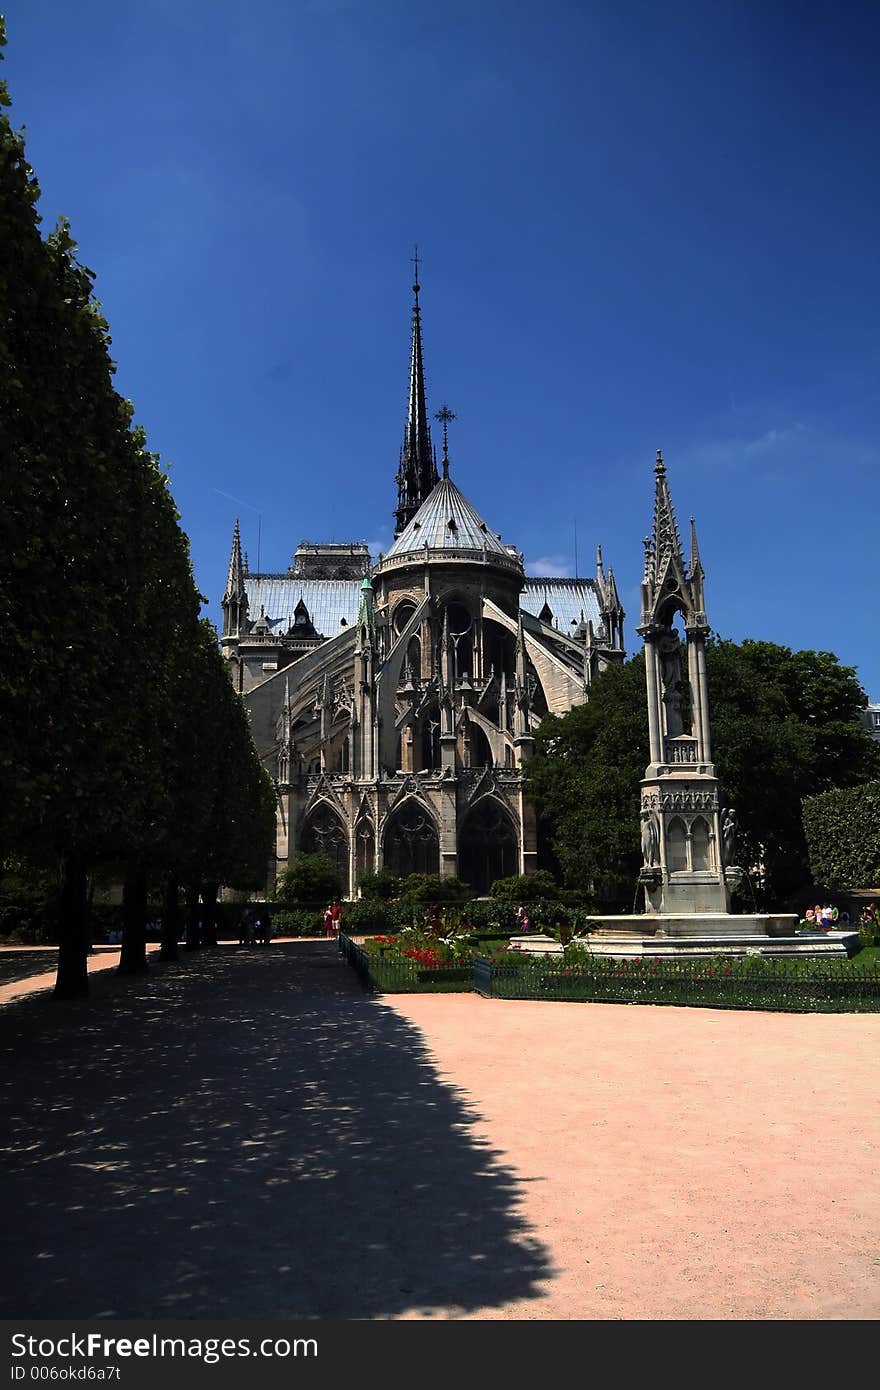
(34, 967)
(247, 1134)
(680, 1163)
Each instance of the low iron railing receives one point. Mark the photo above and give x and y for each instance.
(771, 985)
(740, 983)
(389, 974)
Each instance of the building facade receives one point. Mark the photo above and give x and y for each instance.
(395, 702)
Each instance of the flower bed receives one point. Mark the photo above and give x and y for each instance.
(413, 960)
(749, 983)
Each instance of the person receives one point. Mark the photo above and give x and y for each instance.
(336, 915)
(522, 919)
(328, 920)
(263, 925)
(246, 926)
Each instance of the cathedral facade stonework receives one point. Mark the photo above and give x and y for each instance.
(395, 703)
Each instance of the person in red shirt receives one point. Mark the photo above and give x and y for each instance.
(336, 914)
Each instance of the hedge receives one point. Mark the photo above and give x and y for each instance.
(842, 830)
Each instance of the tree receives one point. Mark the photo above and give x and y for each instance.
(584, 778)
(842, 831)
(311, 878)
(121, 739)
(66, 525)
(784, 725)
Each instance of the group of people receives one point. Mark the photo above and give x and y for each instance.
(255, 926)
(825, 918)
(332, 919)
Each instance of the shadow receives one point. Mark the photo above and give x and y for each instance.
(246, 1134)
(20, 965)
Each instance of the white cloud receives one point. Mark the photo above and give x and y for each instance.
(550, 567)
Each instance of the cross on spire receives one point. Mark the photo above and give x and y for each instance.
(444, 415)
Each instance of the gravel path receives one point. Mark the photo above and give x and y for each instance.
(247, 1134)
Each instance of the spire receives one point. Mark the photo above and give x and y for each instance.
(417, 473)
(235, 578)
(235, 601)
(666, 538)
(667, 584)
(696, 562)
(366, 621)
(600, 571)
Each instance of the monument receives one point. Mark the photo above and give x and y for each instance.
(689, 870)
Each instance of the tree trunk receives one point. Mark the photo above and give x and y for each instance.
(209, 925)
(170, 920)
(193, 931)
(72, 980)
(133, 958)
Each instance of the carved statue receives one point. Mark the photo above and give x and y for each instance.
(672, 699)
(728, 835)
(669, 652)
(650, 839)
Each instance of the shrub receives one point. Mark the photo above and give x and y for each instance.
(431, 888)
(369, 915)
(527, 888)
(310, 878)
(297, 922)
(381, 886)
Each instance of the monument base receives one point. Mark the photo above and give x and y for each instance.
(720, 934)
(628, 944)
(698, 924)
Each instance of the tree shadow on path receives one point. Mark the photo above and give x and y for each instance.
(246, 1135)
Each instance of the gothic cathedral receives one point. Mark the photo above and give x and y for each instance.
(395, 703)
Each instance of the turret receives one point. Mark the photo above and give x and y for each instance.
(234, 601)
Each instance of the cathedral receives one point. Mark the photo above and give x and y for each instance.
(395, 703)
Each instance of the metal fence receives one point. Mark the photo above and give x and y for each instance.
(388, 974)
(741, 983)
(750, 983)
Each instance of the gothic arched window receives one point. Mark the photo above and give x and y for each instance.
(411, 843)
(676, 847)
(700, 858)
(488, 846)
(324, 833)
(365, 848)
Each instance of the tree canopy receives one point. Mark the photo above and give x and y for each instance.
(784, 725)
(122, 741)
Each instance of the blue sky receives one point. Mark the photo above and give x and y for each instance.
(642, 226)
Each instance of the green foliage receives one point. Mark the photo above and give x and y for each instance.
(584, 778)
(382, 885)
(785, 725)
(431, 888)
(310, 878)
(370, 915)
(297, 922)
(526, 888)
(121, 739)
(827, 986)
(842, 831)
